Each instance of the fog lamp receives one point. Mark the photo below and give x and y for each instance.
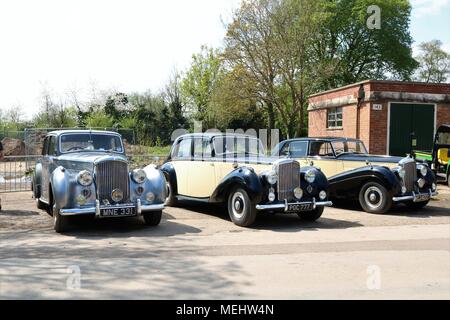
(421, 183)
(322, 195)
(298, 193)
(403, 189)
(81, 200)
(150, 197)
(401, 173)
(271, 196)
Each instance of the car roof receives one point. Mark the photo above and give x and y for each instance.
(326, 139)
(211, 135)
(444, 128)
(59, 132)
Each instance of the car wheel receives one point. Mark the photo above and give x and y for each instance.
(152, 218)
(311, 215)
(374, 198)
(60, 223)
(240, 208)
(171, 200)
(417, 205)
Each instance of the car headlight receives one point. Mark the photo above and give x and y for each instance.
(85, 178)
(401, 173)
(298, 193)
(272, 177)
(310, 176)
(139, 176)
(423, 170)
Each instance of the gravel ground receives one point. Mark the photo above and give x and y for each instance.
(197, 252)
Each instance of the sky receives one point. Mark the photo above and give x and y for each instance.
(127, 45)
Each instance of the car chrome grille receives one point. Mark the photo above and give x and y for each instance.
(111, 175)
(288, 179)
(410, 174)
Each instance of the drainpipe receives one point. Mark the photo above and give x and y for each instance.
(361, 96)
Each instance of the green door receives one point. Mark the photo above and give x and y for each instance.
(411, 128)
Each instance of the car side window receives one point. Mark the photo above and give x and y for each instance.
(52, 146)
(45, 147)
(183, 150)
(321, 149)
(296, 149)
(202, 148)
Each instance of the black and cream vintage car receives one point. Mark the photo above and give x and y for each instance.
(376, 181)
(232, 169)
(85, 172)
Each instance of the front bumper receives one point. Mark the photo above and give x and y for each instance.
(96, 210)
(416, 197)
(284, 206)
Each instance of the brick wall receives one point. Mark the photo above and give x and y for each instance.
(442, 115)
(373, 123)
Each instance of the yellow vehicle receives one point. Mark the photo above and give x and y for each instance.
(233, 169)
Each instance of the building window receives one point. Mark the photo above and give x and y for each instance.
(334, 116)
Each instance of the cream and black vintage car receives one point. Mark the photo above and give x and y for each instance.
(86, 172)
(233, 169)
(376, 181)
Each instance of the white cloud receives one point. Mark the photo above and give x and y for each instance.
(421, 8)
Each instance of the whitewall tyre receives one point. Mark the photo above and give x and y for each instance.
(374, 198)
(240, 208)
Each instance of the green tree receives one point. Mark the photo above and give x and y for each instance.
(199, 81)
(345, 50)
(434, 62)
(99, 119)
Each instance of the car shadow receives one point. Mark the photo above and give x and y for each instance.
(280, 222)
(431, 210)
(90, 228)
(18, 213)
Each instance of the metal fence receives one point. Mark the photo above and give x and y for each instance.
(16, 172)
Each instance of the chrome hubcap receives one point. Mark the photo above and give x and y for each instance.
(373, 197)
(238, 204)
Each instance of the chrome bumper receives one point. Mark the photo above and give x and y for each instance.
(96, 210)
(416, 197)
(284, 206)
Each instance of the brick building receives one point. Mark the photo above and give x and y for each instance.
(391, 117)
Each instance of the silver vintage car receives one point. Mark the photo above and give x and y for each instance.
(85, 172)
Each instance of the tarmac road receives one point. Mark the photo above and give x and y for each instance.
(197, 253)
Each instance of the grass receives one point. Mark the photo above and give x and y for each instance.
(159, 150)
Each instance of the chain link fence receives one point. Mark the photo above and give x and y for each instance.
(16, 171)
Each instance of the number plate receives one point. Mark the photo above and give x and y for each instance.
(117, 212)
(422, 197)
(297, 207)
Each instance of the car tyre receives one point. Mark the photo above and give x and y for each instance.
(60, 223)
(152, 218)
(41, 205)
(311, 215)
(171, 200)
(240, 208)
(374, 198)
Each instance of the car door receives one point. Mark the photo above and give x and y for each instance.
(321, 154)
(202, 176)
(48, 154)
(182, 161)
